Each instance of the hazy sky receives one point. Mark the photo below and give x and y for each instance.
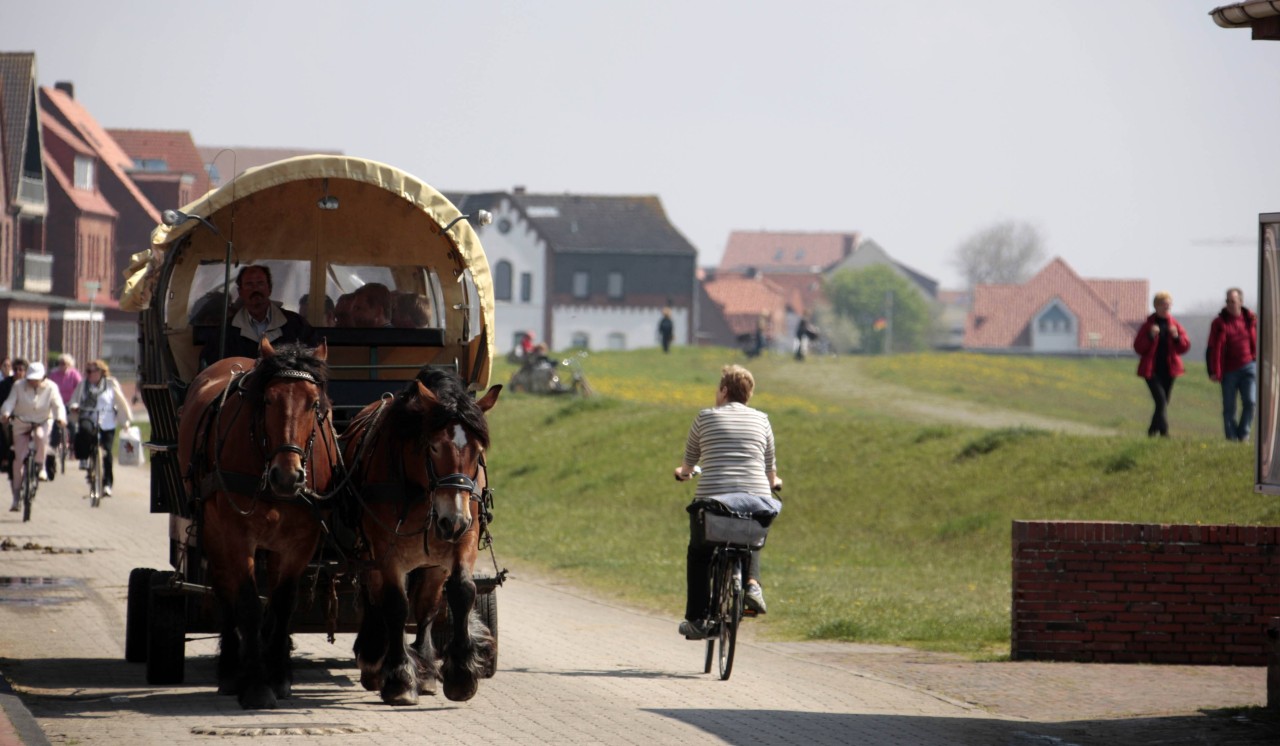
(1132, 133)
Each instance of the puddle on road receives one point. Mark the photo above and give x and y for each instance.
(38, 591)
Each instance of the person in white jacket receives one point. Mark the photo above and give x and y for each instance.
(100, 400)
(32, 406)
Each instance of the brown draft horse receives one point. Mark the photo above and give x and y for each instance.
(416, 460)
(261, 450)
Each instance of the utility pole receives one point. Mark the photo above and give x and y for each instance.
(888, 321)
(91, 287)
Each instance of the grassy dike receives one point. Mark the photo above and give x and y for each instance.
(893, 531)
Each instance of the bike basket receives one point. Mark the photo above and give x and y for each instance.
(731, 530)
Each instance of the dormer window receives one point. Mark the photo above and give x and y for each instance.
(84, 173)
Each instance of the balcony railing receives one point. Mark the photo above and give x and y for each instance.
(37, 273)
(31, 195)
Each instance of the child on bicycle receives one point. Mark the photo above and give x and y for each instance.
(100, 402)
(735, 445)
(34, 404)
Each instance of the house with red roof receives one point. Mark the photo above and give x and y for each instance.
(166, 165)
(736, 304)
(1057, 311)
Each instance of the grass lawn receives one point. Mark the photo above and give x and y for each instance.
(895, 530)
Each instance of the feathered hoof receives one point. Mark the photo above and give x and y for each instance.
(258, 697)
(462, 689)
(401, 697)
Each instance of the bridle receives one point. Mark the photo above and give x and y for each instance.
(321, 414)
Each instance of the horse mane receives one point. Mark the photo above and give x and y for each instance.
(288, 357)
(410, 419)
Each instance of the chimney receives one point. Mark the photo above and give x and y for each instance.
(848, 246)
(517, 189)
(66, 87)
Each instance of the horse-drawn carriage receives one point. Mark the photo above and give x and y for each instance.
(249, 449)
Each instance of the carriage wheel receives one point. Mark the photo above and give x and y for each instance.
(487, 608)
(135, 619)
(166, 632)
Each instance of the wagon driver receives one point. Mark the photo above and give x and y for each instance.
(258, 317)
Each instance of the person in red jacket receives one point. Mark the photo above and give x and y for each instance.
(1232, 359)
(1161, 342)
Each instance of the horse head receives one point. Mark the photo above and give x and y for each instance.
(289, 388)
(453, 436)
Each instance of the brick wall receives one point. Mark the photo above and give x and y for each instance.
(1130, 593)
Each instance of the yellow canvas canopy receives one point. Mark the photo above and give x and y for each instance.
(325, 210)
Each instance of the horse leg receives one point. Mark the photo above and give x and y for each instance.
(425, 587)
(470, 645)
(228, 648)
(279, 643)
(371, 641)
(254, 694)
(399, 672)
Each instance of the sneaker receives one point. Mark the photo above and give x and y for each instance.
(106, 490)
(84, 463)
(693, 630)
(754, 598)
(42, 476)
(14, 508)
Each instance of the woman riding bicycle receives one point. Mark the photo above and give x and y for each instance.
(100, 400)
(735, 445)
(35, 404)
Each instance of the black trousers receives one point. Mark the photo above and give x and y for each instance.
(1161, 392)
(698, 573)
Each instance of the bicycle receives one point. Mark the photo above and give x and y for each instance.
(30, 475)
(64, 445)
(735, 537)
(94, 473)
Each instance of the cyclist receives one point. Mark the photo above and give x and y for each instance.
(35, 404)
(100, 400)
(735, 444)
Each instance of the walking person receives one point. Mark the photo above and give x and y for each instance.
(1232, 360)
(735, 445)
(1160, 343)
(100, 400)
(805, 333)
(666, 330)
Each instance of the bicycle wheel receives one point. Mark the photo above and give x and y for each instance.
(716, 574)
(95, 478)
(730, 613)
(29, 482)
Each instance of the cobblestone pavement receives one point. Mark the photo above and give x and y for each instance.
(572, 669)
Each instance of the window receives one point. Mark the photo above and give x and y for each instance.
(615, 285)
(84, 172)
(617, 341)
(502, 280)
(581, 285)
(526, 287)
(581, 340)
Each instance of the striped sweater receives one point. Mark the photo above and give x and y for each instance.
(734, 443)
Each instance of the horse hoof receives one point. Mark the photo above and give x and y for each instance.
(283, 689)
(260, 698)
(406, 698)
(427, 686)
(371, 681)
(460, 691)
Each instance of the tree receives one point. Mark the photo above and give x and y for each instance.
(1001, 254)
(864, 296)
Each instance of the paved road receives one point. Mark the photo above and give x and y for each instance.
(572, 669)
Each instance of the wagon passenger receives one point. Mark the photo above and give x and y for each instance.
(259, 317)
(735, 444)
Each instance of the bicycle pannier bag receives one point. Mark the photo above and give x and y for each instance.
(86, 439)
(727, 529)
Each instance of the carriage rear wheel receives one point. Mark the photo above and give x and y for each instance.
(166, 631)
(135, 619)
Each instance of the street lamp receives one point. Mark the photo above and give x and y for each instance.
(91, 287)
